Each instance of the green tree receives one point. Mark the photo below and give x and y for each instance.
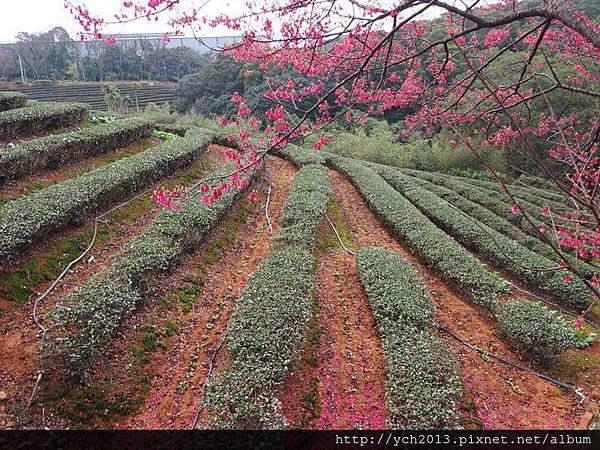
(220, 78)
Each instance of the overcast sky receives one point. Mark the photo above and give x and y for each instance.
(34, 16)
(42, 15)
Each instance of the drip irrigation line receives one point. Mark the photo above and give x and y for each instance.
(338, 237)
(57, 280)
(561, 384)
(43, 296)
(267, 209)
(554, 305)
(211, 366)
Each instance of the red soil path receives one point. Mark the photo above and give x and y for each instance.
(352, 370)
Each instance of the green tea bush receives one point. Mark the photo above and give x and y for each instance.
(172, 128)
(435, 248)
(492, 200)
(539, 331)
(87, 319)
(496, 222)
(40, 117)
(301, 156)
(423, 383)
(12, 100)
(36, 216)
(54, 151)
(536, 182)
(271, 316)
(264, 338)
(305, 207)
(504, 252)
(538, 197)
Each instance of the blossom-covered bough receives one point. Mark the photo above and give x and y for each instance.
(499, 76)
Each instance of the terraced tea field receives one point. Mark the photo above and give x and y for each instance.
(350, 295)
(91, 93)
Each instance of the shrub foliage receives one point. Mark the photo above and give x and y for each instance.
(55, 151)
(506, 253)
(270, 317)
(435, 248)
(34, 217)
(12, 100)
(423, 384)
(91, 315)
(40, 117)
(539, 331)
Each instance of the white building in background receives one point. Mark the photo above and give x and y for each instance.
(199, 44)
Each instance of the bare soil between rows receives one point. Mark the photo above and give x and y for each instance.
(504, 398)
(20, 337)
(180, 371)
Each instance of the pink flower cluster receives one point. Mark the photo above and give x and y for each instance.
(170, 199)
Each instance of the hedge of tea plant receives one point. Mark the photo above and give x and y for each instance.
(34, 217)
(537, 330)
(90, 316)
(491, 200)
(55, 151)
(423, 383)
(502, 225)
(490, 218)
(533, 182)
(448, 259)
(40, 117)
(531, 200)
(435, 248)
(12, 100)
(480, 205)
(538, 197)
(507, 254)
(173, 128)
(270, 318)
(304, 207)
(302, 156)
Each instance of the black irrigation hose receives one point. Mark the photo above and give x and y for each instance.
(42, 328)
(561, 384)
